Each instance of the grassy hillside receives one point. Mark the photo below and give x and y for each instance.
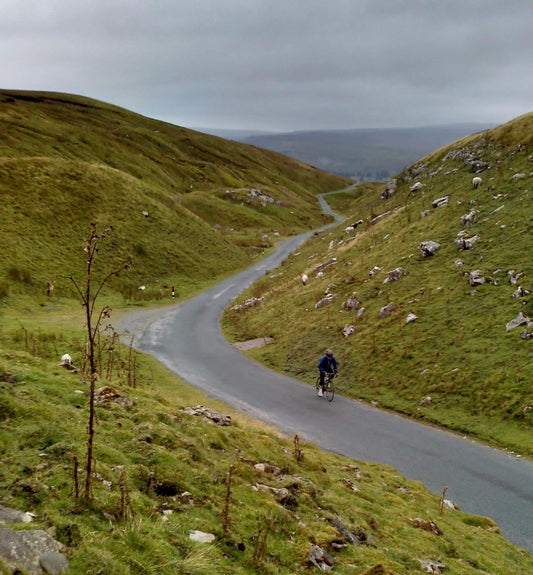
(159, 471)
(66, 161)
(457, 351)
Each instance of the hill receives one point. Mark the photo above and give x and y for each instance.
(185, 206)
(457, 348)
(364, 154)
(163, 472)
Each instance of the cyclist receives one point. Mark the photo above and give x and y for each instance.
(327, 364)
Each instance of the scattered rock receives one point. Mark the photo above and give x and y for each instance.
(429, 566)
(200, 536)
(253, 343)
(387, 310)
(468, 219)
(319, 558)
(53, 563)
(350, 485)
(25, 549)
(8, 515)
(348, 330)
(394, 275)
(109, 394)
(268, 468)
(411, 317)
(519, 320)
(440, 202)
(476, 278)
(464, 243)
(209, 414)
(426, 401)
(326, 264)
(251, 302)
(520, 292)
(426, 525)
(351, 303)
(429, 248)
(416, 186)
(345, 533)
(390, 189)
(325, 301)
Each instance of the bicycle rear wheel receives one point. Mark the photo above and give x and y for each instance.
(329, 389)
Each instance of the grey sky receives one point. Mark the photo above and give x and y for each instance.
(279, 65)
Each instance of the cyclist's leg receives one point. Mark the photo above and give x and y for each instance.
(329, 390)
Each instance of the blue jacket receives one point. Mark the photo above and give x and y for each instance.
(328, 365)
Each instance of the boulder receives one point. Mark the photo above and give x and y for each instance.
(519, 320)
(394, 275)
(325, 301)
(464, 243)
(440, 202)
(34, 551)
(209, 414)
(476, 278)
(200, 536)
(352, 303)
(387, 310)
(348, 330)
(111, 395)
(429, 248)
(390, 189)
(8, 515)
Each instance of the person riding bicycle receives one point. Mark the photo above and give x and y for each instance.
(327, 364)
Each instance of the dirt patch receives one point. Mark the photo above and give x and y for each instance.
(252, 343)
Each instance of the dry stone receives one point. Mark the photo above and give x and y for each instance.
(429, 248)
(25, 549)
(387, 310)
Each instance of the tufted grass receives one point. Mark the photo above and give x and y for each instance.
(155, 443)
(95, 161)
(458, 350)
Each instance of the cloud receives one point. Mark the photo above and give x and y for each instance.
(262, 64)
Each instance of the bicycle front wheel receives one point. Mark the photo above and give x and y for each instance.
(329, 390)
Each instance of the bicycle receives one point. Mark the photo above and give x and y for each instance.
(329, 386)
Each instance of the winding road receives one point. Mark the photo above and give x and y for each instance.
(186, 337)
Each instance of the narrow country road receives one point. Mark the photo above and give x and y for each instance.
(187, 339)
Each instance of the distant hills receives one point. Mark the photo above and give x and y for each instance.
(363, 154)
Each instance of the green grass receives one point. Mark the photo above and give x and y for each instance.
(174, 468)
(65, 161)
(458, 350)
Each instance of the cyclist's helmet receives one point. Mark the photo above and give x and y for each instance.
(329, 353)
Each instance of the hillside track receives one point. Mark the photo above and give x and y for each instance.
(187, 339)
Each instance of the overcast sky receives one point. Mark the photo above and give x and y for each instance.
(279, 65)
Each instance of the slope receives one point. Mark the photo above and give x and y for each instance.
(456, 351)
(184, 206)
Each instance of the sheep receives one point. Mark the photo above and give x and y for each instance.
(304, 279)
(352, 227)
(476, 182)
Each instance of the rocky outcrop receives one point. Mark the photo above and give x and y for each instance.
(33, 551)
